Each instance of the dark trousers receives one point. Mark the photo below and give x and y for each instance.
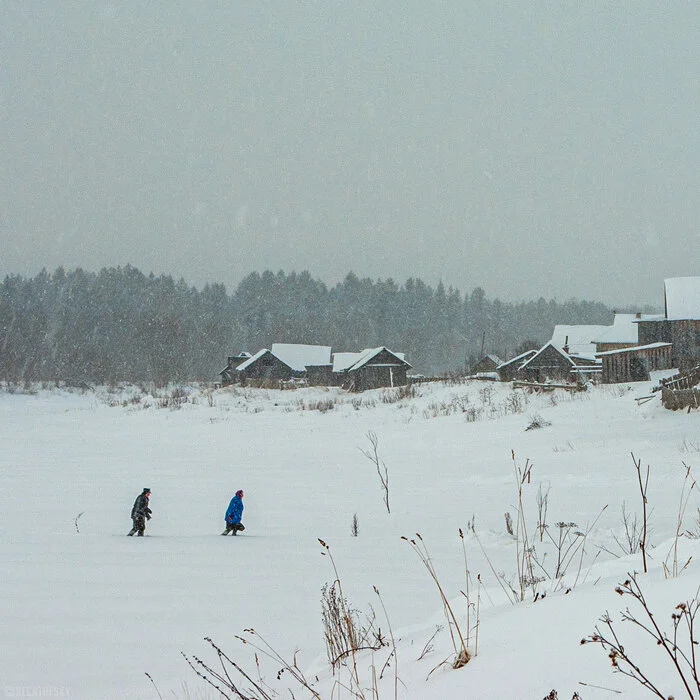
(233, 528)
(139, 526)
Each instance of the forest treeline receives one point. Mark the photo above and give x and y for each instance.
(121, 325)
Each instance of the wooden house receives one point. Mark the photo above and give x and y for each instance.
(633, 364)
(228, 374)
(264, 366)
(488, 363)
(372, 368)
(507, 371)
(552, 363)
(680, 324)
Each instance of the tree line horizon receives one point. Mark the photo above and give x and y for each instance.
(120, 324)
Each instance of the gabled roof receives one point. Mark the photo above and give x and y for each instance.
(299, 357)
(251, 360)
(519, 358)
(542, 349)
(370, 353)
(682, 296)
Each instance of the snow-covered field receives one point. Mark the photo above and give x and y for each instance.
(86, 612)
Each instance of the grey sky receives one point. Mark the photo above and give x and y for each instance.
(534, 149)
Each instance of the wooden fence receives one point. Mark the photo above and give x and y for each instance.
(681, 390)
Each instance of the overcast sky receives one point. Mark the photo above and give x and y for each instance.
(533, 149)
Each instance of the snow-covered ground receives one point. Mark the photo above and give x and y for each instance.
(86, 612)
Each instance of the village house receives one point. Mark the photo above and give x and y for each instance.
(552, 363)
(263, 366)
(680, 323)
(569, 356)
(227, 374)
(638, 344)
(369, 369)
(623, 358)
(487, 364)
(372, 368)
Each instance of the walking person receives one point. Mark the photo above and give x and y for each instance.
(234, 513)
(140, 513)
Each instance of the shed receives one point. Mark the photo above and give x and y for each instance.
(634, 364)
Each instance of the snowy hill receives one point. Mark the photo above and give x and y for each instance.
(87, 612)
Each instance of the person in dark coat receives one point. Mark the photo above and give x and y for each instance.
(234, 513)
(140, 513)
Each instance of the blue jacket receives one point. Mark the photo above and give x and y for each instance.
(235, 510)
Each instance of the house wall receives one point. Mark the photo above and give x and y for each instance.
(635, 365)
(267, 367)
(320, 375)
(377, 376)
(486, 364)
(685, 336)
(509, 372)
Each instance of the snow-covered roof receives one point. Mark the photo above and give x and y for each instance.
(682, 295)
(494, 358)
(519, 358)
(366, 355)
(650, 346)
(299, 357)
(362, 358)
(344, 360)
(543, 348)
(623, 330)
(581, 339)
(251, 359)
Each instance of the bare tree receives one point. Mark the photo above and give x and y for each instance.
(643, 481)
(382, 471)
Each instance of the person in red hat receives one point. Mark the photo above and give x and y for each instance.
(234, 513)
